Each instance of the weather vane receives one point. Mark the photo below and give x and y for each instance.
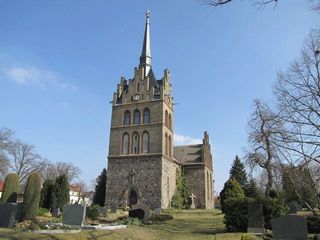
(148, 13)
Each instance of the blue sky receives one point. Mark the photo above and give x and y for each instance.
(60, 62)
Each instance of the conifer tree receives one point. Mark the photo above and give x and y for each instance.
(46, 194)
(231, 189)
(60, 192)
(11, 188)
(238, 172)
(181, 198)
(100, 189)
(31, 197)
(252, 189)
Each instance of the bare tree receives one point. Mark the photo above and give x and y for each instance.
(52, 171)
(22, 158)
(5, 143)
(265, 128)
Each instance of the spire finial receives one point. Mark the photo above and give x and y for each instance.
(145, 58)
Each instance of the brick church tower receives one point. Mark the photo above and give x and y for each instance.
(141, 166)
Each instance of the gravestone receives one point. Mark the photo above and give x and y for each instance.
(141, 211)
(291, 227)
(19, 211)
(56, 212)
(102, 211)
(73, 214)
(255, 218)
(293, 207)
(8, 214)
(192, 201)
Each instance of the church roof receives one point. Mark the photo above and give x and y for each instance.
(188, 154)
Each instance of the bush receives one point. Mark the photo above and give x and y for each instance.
(11, 188)
(42, 211)
(272, 208)
(236, 214)
(231, 189)
(130, 221)
(46, 194)
(31, 197)
(248, 236)
(93, 213)
(313, 223)
(60, 192)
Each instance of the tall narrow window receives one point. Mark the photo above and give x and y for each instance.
(125, 144)
(170, 121)
(145, 142)
(127, 118)
(166, 118)
(146, 116)
(170, 148)
(135, 143)
(136, 117)
(166, 144)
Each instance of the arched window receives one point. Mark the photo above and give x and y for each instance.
(170, 121)
(136, 117)
(145, 142)
(166, 118)
(135, 143)
(166, 144)
(127, 118)
(170, 147)
(125, 144)
(146, 116)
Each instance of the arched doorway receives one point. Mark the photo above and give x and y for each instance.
(133, 198)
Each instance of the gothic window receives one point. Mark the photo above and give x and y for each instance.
(166, 144)
(136, 117)
(145, 142)
(125, 144)
(170, 122)
(127, 118)
(166, 118)
(170, 147)
(146, 116)
(135, 143)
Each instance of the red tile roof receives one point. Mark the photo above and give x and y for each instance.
(1, 185)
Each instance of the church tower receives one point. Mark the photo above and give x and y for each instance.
(141, 166)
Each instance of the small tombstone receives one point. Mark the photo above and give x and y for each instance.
(8, 214)
(255, 218)
(291, 227)
(102, 211)
(56, 212)
(193, 206)
(293, 207)
(140, 211)
(73, 214)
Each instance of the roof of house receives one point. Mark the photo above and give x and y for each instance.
(1, 185)
(188, 154)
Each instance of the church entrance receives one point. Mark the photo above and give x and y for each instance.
(133, 198)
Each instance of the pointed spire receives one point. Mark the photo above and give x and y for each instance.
(145, 58)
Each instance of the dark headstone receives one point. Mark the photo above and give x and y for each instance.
(293, 207)
(137, 213)
(73, 214)
(19, 211)
(291, 227)
(8, 214)
(56, 212)
(255, 218)
(102, 211)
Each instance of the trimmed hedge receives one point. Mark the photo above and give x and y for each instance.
(11, 188)
(31, 197)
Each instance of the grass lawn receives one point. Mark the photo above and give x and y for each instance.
(186, 224)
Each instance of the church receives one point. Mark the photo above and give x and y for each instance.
(143, 163)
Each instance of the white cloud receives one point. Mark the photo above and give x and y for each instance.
(185, 140)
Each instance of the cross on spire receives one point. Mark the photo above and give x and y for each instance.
(145, 58)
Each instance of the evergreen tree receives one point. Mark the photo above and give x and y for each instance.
(181, 197)
(11, 188)
(60, 192)
(46, 194)
(252, 189)
(100, 189)
(231, 189)
(31, 197)
(238, 172)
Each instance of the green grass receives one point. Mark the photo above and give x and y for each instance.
(186, 224)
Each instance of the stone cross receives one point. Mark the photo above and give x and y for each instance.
(192, 201)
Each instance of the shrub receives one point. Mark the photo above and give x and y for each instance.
(42, 211)
(313, 223)
(60, 192)
(93, 213)
(231, 189)
(236, 214)
(31, 197)
(272, 208)
(181, 197)
(46, 194)
(11, 188)
(248, 236)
